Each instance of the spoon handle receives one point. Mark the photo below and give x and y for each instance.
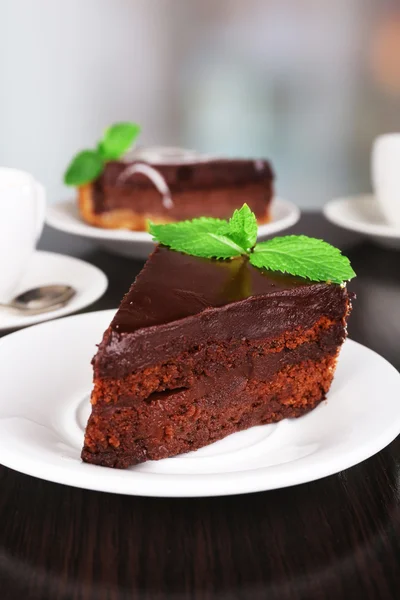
(34, 311)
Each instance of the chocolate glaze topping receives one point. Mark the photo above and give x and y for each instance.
(180, 301)
(203, 174)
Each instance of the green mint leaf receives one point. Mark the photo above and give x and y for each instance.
(84, 167)
(118, 139)
(303, 256)
(242, 228)
(204, 237)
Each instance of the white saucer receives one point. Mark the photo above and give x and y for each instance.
(138, 244)
(46, 268)
(44, 405)
(363, 214)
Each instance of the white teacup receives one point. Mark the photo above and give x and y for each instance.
(22, 212)
(386, 175)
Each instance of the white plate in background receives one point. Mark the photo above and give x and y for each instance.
(65, 216)
(43, 415)
(363, 215)
(49, 268)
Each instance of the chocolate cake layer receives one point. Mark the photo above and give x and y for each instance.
(206, 365)
(193, 176)
(178, 301)
(217, 203)
(130, 193)
(170, 423)
(212, 188)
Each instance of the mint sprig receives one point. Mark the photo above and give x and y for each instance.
(298, 255)
(87, 165)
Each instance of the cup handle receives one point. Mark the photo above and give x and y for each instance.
(41, 209)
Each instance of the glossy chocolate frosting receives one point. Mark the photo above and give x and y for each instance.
(188, 176)
(180, 301)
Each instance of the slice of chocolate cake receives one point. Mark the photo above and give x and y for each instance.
(200, 349)
(165, 186)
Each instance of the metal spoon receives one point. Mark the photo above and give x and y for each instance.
(41, 299)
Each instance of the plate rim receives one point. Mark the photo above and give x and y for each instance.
(330, 211)
(82, 229)
(85, 476)
(67, 310)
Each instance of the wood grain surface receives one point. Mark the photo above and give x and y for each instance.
(334, 539)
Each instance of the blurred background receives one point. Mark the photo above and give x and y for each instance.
(306, 83)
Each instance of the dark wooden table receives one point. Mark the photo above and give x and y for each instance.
(336, 539)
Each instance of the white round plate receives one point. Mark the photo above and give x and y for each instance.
(43, 415)
(47, 268)
(65, 216)
(363, 215)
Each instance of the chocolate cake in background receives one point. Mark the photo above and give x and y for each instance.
(200, 349)
(167, 184)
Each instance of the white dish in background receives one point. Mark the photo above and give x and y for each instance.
(43, 415)
(65, 216)
(48, 268)
(363, 215)
(385, 160)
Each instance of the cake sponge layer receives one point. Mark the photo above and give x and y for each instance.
(208, 393)
(171, 423)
